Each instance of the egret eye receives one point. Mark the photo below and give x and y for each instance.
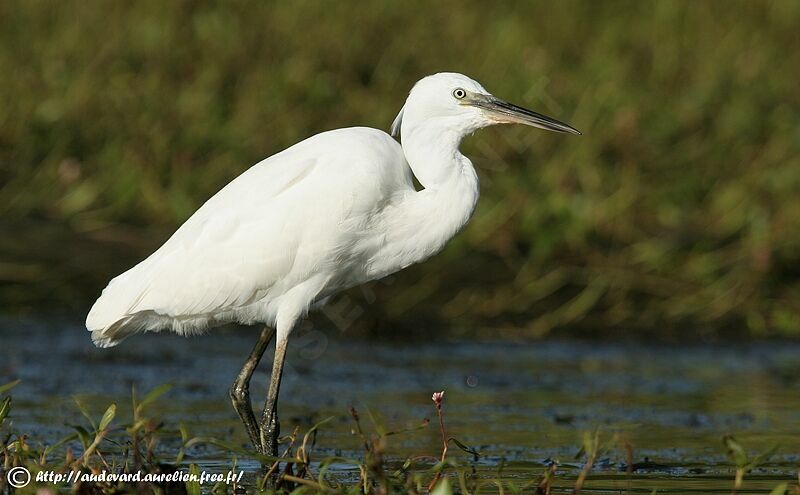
(459, 93)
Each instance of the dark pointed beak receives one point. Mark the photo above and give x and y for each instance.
(504, 112)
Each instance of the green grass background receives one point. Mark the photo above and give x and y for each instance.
(676, 214)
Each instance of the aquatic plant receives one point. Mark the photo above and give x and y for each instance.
(743, 462)
(106, 444)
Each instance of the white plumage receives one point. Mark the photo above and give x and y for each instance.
(333, 211)
(288, 231)
(328, 213)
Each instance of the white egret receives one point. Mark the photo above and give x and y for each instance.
(333, 211)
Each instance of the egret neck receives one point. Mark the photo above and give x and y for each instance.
(425, 220)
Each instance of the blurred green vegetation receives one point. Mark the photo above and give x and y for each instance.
(676, 214)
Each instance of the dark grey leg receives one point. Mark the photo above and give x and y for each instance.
(270, 427)
(240, 390)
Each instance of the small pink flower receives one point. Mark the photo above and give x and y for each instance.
(437, 398)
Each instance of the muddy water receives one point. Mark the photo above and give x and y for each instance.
(520, 405)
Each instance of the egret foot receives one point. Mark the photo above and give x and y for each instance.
(270, 426)
(271, 430)
(240, 390)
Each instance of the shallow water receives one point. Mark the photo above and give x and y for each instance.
(521, 405)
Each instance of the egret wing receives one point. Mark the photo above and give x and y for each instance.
(273, 226)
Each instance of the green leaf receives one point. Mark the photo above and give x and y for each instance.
(442, 487)
(762, 458)
(735, 450)
(184, 440)
(5, 407)
(376, 423)
(153, 395)
(184, 432)
(316, 426)
(85, 412)
(51, 448)
(193, 487)
(83, 435)
(780, 489)
(9, 386)
(589, 443)
(108, 416)
(136, 426)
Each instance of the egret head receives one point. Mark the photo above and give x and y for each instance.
(455, 102)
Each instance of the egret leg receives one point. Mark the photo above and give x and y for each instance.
(270, 427)
(240, 390)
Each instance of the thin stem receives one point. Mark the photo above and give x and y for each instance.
(437, 399)
(444, 435)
